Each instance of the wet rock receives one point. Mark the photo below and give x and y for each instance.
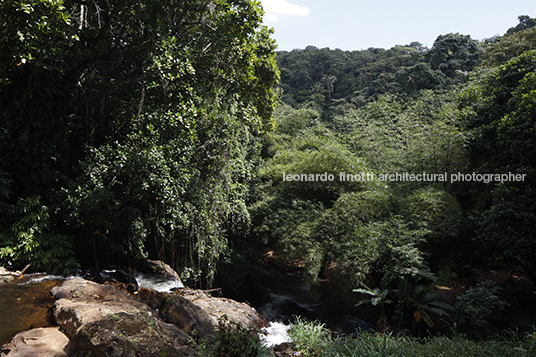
(39, 342)
(103, 276)
(158, 267)
(151, 297)
(107, 322)
(103, 320)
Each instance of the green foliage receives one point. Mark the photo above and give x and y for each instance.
(285, 216)
(525, 22)
(232, 340)
(311, 340)
(509, 47)
(505, 230)
(311, 337)
(291, 122)
(361, 227)
(403, 271)
(420, 303)
(454, 52)
(30, 239)
(440, 213)
(138, 121)
(378, 296)
(478, 308)
(435, 210)
(393, 135)
(499, 112)
(343, 80)
(360, 234)
(420, 76)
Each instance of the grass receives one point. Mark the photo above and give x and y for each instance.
(314, 340)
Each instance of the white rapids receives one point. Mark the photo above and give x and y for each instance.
(157, 282)
(275, 334)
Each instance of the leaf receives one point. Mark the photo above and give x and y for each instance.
(362, 302)
(438, 311)
(364, 291)
(427, 319)
(441, 305)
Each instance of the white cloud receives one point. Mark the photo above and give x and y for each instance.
(273, 8)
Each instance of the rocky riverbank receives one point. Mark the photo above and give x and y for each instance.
(7, 275)
(124, 320)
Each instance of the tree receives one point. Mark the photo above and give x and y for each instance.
(509, 47)
(454, 52)
(525, 22)
(500, 112)
(419, 76)
(142, 123)
(329, 81)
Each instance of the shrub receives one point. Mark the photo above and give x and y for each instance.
(309, 336)
(314, 340)
(478, 307)
(232, 340)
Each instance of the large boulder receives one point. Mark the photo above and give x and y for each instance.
(216, 307)
(106, 322)
(103, 320)
(38, 342)
(197, 311)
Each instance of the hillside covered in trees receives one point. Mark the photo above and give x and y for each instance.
(428, 168)
(173, 130)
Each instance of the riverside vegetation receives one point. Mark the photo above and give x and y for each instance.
(139, 129)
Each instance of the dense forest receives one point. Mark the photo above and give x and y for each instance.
(174, 130)
(130, 129)
(383, 125)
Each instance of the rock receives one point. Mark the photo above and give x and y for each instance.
(158, 267)
(107, 322)
(119, 276)
(151, 297)
(188, 316)
(6, 276)
(194, 310)
(100, 320)
(38, 342)
(236, 312)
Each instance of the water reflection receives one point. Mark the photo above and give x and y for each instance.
(26, 304)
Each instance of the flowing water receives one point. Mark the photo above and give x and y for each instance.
(158, 282)
(284, 296)
(26, 304)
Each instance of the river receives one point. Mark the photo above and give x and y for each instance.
(26, 303)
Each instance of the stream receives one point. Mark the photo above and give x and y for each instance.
(285, 296)
(26, 303)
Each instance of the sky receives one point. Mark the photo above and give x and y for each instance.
(361, 24)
